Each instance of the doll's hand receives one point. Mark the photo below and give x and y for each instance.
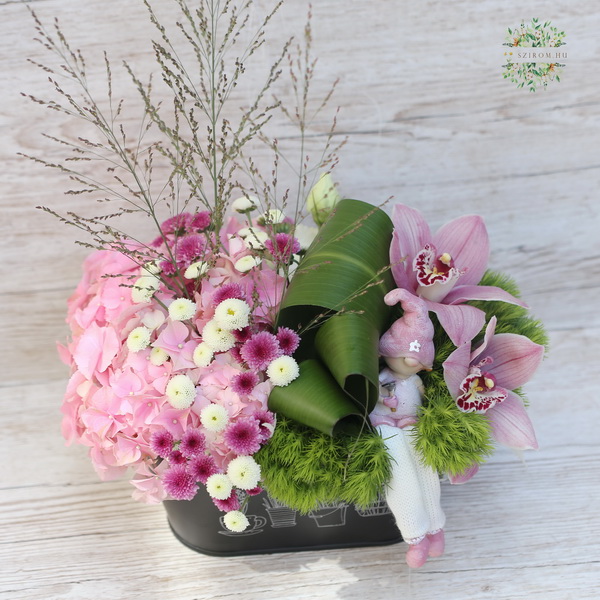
(391, 402)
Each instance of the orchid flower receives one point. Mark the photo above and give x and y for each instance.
(482, 381)
(444, 269)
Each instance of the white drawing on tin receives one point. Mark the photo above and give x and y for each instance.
(330, 515)
(280, 515)
(377, 509)
(256, 522)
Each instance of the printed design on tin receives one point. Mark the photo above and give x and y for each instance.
(534, 74)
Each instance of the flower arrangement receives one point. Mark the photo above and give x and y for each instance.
(241, 349)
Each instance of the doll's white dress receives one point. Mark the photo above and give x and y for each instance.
(413, 493)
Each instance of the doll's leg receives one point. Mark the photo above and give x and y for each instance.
(430, 487)
(403, 495)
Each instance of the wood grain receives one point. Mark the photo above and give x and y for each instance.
(431, 122)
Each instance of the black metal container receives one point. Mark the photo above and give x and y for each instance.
(276, 528)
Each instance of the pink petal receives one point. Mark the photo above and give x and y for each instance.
(456, 368)
(461, 322)
(466, 240)
(411, 233)
(462, 293)
(465, 475)
(489, 333)
(516, 359)
(511, 425)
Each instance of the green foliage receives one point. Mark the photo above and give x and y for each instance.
(302, 467)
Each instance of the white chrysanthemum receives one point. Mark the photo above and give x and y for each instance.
(245, 204)
(219, 486)
(153, 319)
(254, 238)
(158, 357)
(196, 269)
(182, 309)
(236, 520)
(273, 216)
(305, 234)
(151, 268)
(244, 472)
(245, 264)
(138, 339)
(181, 391)
(203, 355)
(143, 289)
(217, 337)
(283, 370)
(214, 417)
(232, 313)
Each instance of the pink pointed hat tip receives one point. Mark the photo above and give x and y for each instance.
(410, 336)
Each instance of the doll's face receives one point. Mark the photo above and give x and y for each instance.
(403, 366)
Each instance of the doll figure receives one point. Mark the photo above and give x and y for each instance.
(413, 493)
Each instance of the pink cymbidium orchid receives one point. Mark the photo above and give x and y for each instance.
(482, 381)
(444, 269)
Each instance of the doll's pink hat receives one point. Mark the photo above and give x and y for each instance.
(410, 336)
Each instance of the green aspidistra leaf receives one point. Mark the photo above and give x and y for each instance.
(335, 302)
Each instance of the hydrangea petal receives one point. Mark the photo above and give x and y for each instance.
(510, 424)
(516, 359)
(467, 242)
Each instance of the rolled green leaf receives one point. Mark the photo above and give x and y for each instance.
(335, 301)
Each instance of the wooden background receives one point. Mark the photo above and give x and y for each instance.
(432, 122)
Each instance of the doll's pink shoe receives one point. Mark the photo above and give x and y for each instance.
(416, 556)
(436, 543)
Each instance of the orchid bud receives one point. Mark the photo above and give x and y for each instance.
(322, 199)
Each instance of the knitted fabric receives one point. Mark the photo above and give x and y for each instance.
(410, 336)
(413, 493)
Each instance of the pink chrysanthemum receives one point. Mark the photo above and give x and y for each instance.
(288, 340)
(242, 335)
(243, 437)
(178, 483)
(193, 443)
(266, 422)
(176, 458)
(236, 354)
(190, 248)
(243, 383)
(200, 221)
(157, 242)
(261, 349)
(167, 267)
(227, 291)
(254, 491)
(283, 247)
(177, 224)
(202, 467)
(231, 503)
(161, 443)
